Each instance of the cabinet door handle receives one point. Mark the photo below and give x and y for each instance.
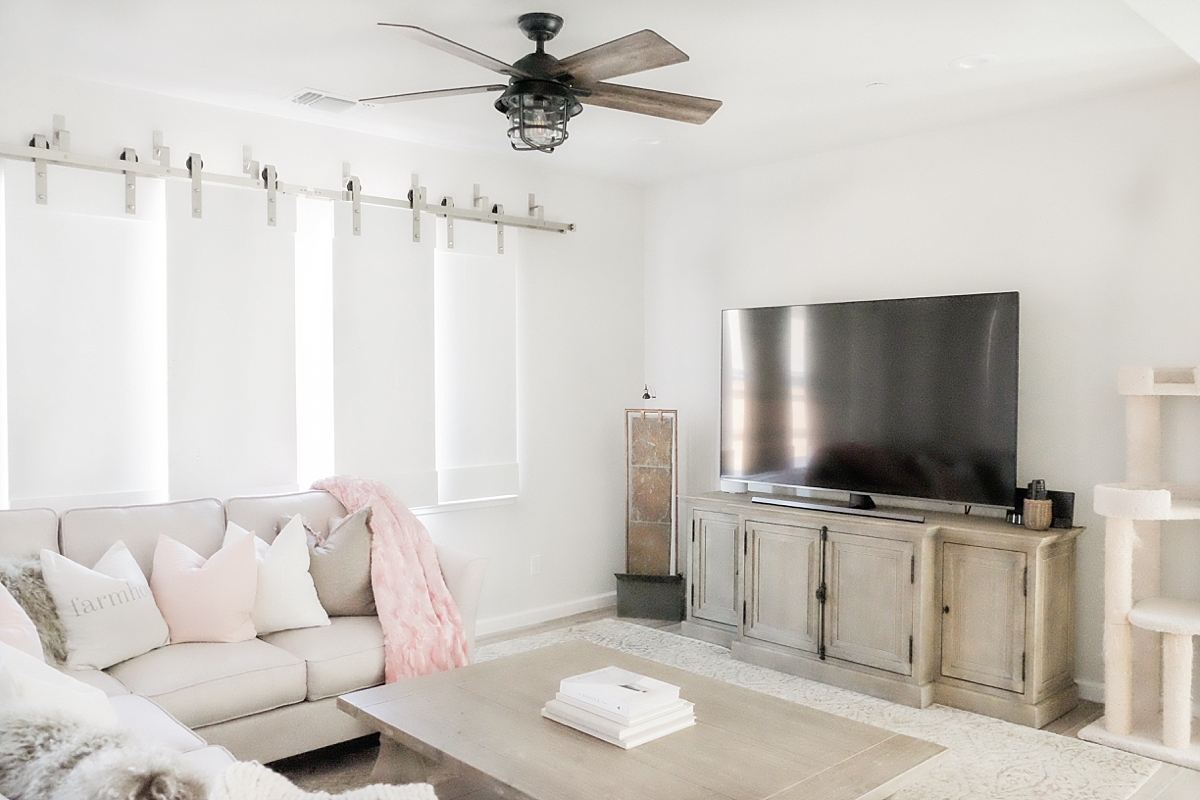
(945, 609)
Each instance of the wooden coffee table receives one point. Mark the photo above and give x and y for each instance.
(482, 726)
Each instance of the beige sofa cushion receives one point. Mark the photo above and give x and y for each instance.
(149, 721)
(26, 532)
(202, 683)
(88, 532)
(345, 656)
(262, 514)
(101, 680)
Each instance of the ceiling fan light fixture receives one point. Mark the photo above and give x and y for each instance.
(538, 112)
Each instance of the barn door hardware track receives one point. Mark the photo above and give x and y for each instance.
(56, 150)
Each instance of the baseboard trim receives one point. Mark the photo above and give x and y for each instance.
(536, 616)
(1092, 691)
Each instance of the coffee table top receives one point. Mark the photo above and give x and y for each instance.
(485, 721)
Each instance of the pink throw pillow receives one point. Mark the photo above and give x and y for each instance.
(205, 601)
(16, 628)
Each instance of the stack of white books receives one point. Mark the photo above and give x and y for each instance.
(619, 706)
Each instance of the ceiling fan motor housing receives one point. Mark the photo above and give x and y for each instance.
(540, 26)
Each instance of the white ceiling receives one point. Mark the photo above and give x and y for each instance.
(794, 75)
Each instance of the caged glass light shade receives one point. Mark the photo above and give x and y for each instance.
(538, 112)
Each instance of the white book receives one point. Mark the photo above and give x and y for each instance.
(617, 730)
(654, 732)
(623, 719)
(619, 690)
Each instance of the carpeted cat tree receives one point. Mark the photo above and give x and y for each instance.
(1147, 698)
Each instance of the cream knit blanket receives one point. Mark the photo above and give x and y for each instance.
(249, 780)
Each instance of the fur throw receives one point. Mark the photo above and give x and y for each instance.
(422, 629)
(248, 780)
(47, 757)
(23, 579)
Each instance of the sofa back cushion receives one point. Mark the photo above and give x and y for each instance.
(262, 514)
(28, 531)
(87, 533)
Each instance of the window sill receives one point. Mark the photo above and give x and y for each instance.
(466, 505)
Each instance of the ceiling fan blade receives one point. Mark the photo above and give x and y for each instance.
(681, 107)
(400, 98)
(455, 49)
(636, 52)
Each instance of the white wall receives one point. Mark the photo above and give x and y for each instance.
(1090, 211)
(579, 325)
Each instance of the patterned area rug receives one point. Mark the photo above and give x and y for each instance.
(988, 758)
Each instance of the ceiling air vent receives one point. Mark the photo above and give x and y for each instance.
(324, 101)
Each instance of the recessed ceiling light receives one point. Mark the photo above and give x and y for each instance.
(877, 85)
(649, 140)
(974, 61)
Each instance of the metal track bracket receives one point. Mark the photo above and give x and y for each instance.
(416, 198)
(448, 202)
(62, 136)
(195, 166)
(129, 156)
(39, 142)
(354, 195)
(160, 153)
(272, 183)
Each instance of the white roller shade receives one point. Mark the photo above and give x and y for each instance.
(476, 379)
(87, 339)
(231, 324)
(383, 352)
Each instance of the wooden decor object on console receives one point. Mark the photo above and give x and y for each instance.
(1136, 618)
(650, 587)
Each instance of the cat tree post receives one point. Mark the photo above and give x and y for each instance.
(1177, 690)
(1143, 467)
(1118, 633)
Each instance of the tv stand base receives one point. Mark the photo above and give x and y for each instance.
(860, 501)
(863, 511)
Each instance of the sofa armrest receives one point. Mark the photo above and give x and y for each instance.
(463, 573)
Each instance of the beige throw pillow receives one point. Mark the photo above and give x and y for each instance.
(340, 566)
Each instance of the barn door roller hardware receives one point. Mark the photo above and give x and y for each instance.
(56, 150)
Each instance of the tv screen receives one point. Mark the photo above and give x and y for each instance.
(912, 398)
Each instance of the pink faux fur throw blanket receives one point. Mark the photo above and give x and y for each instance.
(422, 629)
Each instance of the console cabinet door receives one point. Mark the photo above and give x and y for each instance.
(714, 566)
(869, 614)
(983, 615)
(783, 568)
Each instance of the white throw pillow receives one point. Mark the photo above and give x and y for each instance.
(30, 685)
(108, 611)
(286, 595)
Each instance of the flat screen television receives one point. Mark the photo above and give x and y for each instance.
(911, 398)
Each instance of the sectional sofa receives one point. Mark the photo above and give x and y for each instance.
(263, 699)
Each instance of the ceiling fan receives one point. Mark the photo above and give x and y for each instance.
(544, 92)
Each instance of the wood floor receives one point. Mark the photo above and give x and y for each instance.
(348, 766)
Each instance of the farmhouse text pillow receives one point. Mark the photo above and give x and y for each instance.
(108, 611)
